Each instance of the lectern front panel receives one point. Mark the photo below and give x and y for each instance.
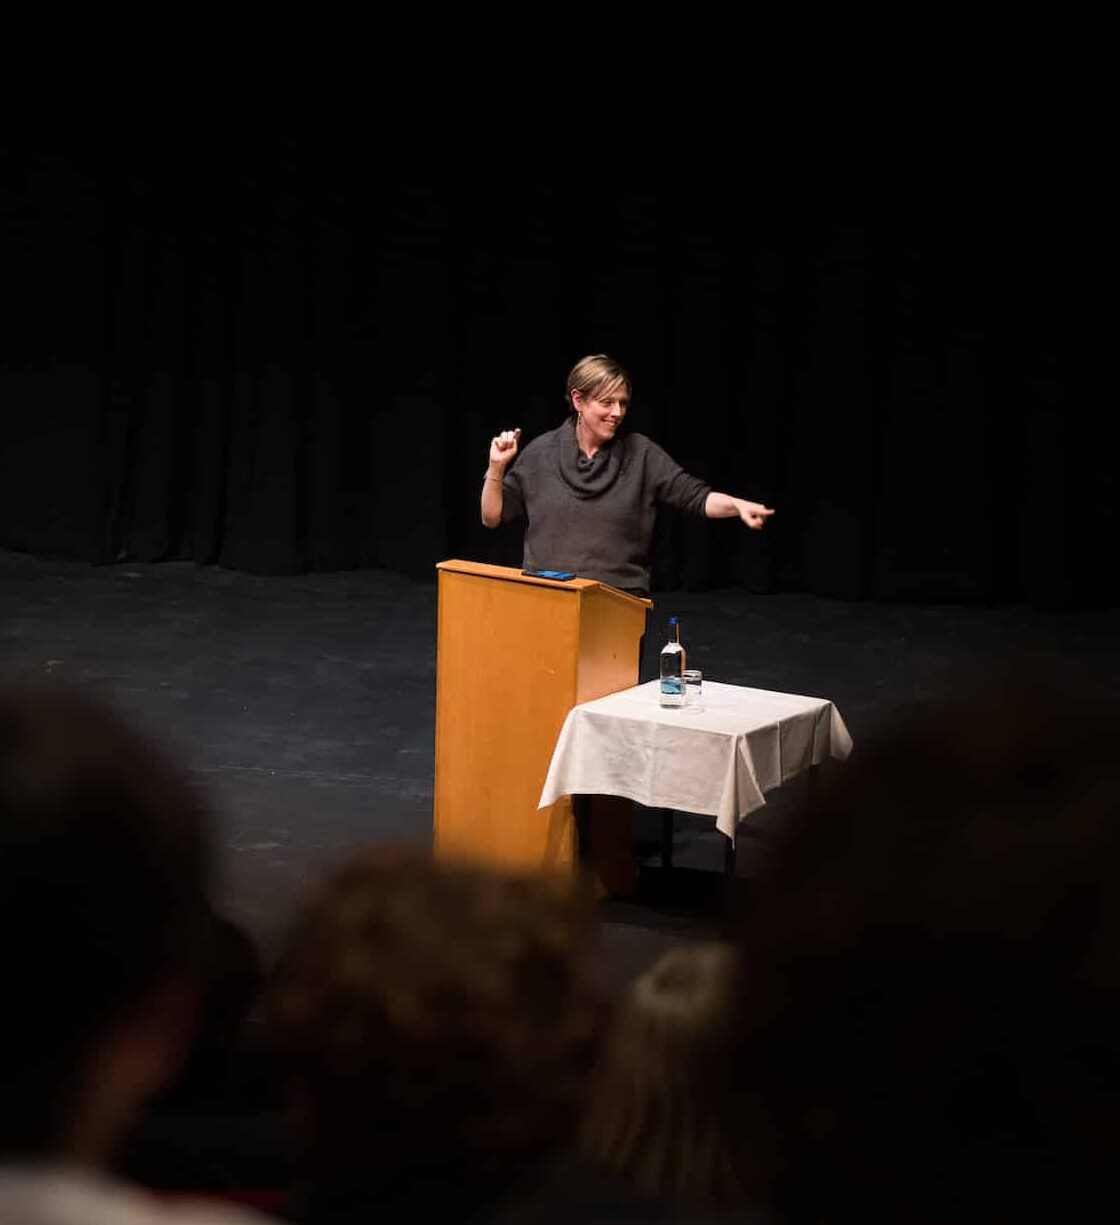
(507, 676)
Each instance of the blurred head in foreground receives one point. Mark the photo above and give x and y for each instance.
(436, 1022)
(930, 1004)
(663, 1113)
(103, 868)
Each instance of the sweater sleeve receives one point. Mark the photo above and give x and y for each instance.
(513, 495)
(672, 485)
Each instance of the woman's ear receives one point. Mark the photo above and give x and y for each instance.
(577, 400)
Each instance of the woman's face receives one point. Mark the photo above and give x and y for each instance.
(601, 415)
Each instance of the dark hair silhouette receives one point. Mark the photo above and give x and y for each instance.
(930, 1008)
(103, 867)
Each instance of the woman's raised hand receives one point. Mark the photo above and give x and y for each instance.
(503, 447)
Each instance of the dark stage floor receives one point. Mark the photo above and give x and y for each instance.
(307, 703)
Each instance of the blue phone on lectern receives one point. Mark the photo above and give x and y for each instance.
(561, 576)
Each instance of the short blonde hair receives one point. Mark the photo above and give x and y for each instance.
(596, 375)
(663, 1113)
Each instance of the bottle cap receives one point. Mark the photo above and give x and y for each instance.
(674, 620)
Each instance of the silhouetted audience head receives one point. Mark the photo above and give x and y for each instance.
(663, 1112)
(232, 982)
(437, 1023)
(103, 868)
(930, 1003)
(224, 1046)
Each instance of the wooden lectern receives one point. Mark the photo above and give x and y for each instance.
(515, 654)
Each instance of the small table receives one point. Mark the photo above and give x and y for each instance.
(718, 758)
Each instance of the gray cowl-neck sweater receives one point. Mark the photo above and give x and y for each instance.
(595, 516)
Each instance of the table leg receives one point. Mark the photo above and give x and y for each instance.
(728, 856)
(814, 785)
(666, 839)
(581, 815)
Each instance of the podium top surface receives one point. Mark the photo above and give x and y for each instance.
(513, 575)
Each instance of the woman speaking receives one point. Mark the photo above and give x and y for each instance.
(589, 492)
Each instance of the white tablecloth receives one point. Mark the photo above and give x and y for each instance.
(718, 758)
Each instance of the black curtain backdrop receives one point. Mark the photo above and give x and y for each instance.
(288, 354)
